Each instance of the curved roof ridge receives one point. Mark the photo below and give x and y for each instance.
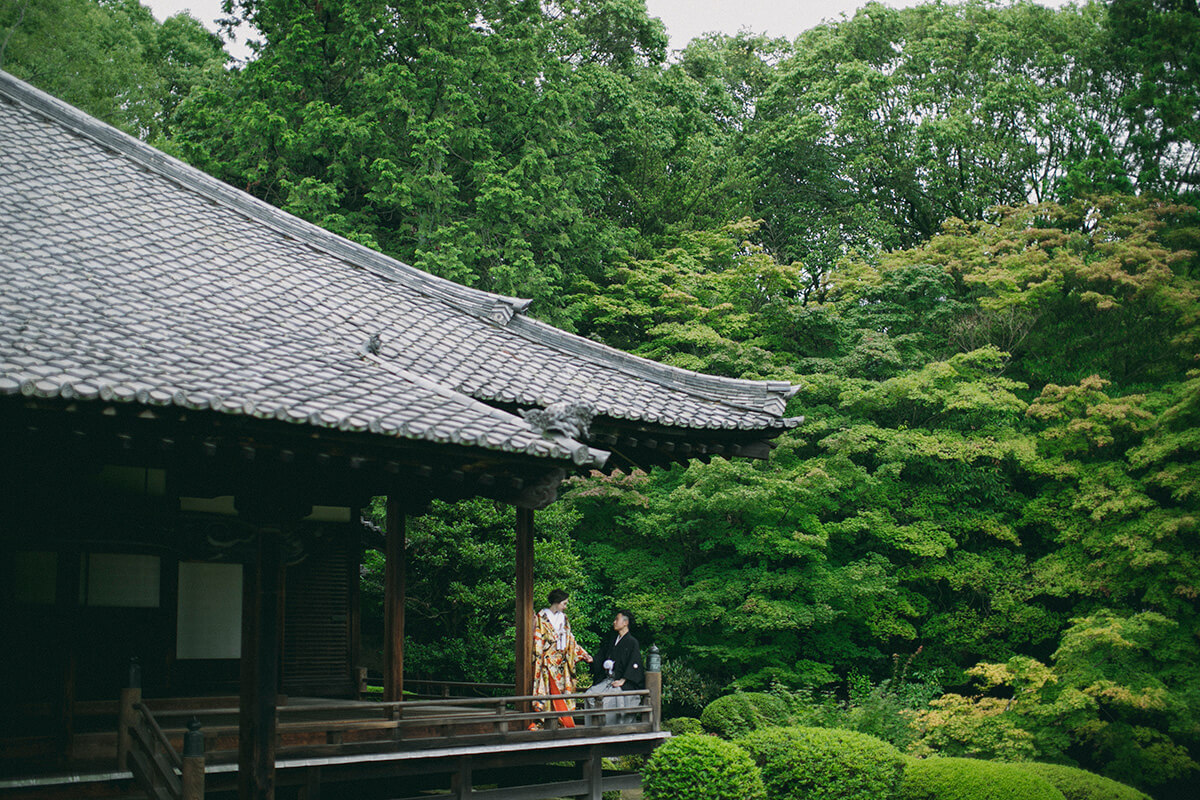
(496, 308)
(768, 397)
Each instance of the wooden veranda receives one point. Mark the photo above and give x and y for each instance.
(458, 747)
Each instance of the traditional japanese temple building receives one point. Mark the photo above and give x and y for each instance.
(199, 392)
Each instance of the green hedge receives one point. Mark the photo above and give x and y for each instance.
(1079, 784)
(825, 764)
(737, 714)
(973, 779)
(698, 766)
(683, 725)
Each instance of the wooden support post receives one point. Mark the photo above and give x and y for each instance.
(524, 601)
(192, 779)
(262, 585)
(393, 604)
(654, 685)
(593, 773)
(131, 695)
(311, 790)
(461, 782)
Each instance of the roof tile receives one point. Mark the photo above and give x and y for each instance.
(159, 285)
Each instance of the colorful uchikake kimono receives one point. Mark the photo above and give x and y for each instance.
(554, 654)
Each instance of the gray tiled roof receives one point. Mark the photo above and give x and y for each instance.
(128, 275)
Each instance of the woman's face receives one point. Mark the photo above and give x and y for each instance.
(561, 605)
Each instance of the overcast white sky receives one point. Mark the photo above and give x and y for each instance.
(685, 19)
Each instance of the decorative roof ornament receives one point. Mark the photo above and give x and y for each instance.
(542, 493)
(570, 418)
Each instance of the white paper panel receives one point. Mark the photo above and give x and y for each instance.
(210, 610)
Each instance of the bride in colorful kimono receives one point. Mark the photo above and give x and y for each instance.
(554, 654)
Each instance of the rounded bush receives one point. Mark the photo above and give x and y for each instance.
(824, 764)
(973, 779)
(736, 714)
(695, 766)
(683, 725)
(1079, 784)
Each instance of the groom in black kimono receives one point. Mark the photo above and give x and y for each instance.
(617, 668)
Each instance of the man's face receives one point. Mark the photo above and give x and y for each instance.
(620, 622)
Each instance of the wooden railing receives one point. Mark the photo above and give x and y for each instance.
(342, 728)
(433, 689)
(151, 743)
(152, 759)
(425, 688)
(156, 765)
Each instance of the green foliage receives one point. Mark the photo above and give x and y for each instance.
(458, 596)
(1119, 689)
(881, 126)
(884, 710)
(735, 714)
(1019, 726)
(108, 57)
(824, 764)
(685, 689)
(1104, 286)
(1001, 451)
(973, 779)
(1079, 784)
(680, 726)
(686, 767)
(1139, 671)
(519, 147)
(1153, 42)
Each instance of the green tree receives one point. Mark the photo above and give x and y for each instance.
(1154, 43)
(514, 146)
(108, 57)
(460, 583)
(882, 126)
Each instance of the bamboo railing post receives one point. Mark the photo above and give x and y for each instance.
(131, 695)
(193, 762)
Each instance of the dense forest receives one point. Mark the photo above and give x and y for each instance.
(967, 231)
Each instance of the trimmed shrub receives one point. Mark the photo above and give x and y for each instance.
(694, 766)
(825, 764)
(737, 714)
(683, 725)
(1079, 784)
(973, 779)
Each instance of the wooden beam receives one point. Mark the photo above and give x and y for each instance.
(393, 603)
(524, 602)
(262, 583)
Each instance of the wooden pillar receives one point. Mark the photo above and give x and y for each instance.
(524, 601)
(262, 583)
(131, 695)
(393, 604)
(654, 684)
(461, 781)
